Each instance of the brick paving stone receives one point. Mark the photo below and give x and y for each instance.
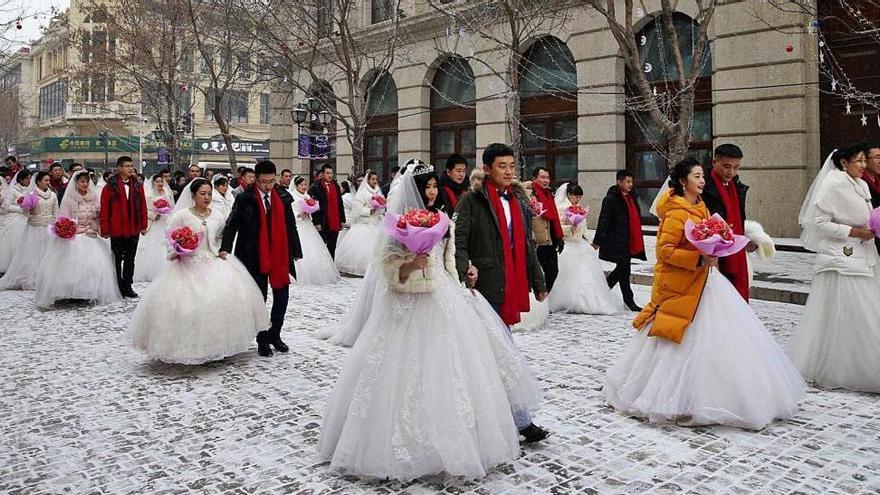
(83, 412)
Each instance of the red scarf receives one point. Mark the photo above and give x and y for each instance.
(333, 222)
(274, 256)
(735, 267)
(874, 183)
(516, 283)
(551, 214)
(451, 195)
(636, 243)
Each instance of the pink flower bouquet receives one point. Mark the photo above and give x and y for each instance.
(874, 221)
(308, 205)
(377, 202)
(576, 214)
(418, 230)
(714, 237)
(184, 241)
(536, 207)
(28, 201)
(161, 206)
(63, 227)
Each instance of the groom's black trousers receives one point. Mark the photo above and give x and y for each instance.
(279, 308)
(124, 250)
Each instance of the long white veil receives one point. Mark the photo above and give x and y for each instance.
(72, 196)
(561, 195)
(807, 215)
(10, 192)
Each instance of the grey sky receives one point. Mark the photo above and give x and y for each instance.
(36, 14)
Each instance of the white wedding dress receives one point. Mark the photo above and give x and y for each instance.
(82, 267)
(13, 224)
(837, 344)
(355, 251)
(346, 332)
(316, 266)
(28, 255)
(428, 386)
(580, 287)
(432, 380)
(151, 258)
(202, 308)
(727, 370)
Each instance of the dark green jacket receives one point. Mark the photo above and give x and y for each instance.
(478, 242)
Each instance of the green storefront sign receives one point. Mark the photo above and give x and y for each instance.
(90, 144)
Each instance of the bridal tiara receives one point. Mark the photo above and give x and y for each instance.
(419, 167)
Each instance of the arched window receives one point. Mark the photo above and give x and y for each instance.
(453, 113)
(644, 141)
(548, 110)
(323, 92)
(380, 144)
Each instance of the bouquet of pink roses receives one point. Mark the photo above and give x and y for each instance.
(874, 221)
(714, 237)
(536, 207)
(28, 201)
(308, 205)
(576, 214)
(377, 202)
(418, 230)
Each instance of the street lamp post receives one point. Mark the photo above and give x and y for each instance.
(103, 135)
(309, 112)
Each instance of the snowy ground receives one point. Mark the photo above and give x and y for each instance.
(82, 412)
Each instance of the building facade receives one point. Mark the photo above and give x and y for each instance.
(72, 120)
(759, 89)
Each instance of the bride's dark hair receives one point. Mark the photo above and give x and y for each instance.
(196, 184)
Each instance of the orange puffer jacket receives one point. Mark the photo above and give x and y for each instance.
(678, 277)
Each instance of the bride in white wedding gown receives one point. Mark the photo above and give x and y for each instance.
(431, 382)
(202, 308)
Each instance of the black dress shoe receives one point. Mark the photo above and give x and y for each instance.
(633, 307)
(263, 349)
(280, 346)
(533, 433)
(129, 293)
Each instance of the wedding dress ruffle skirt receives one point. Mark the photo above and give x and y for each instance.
(12, 227)
(201, 309)
(81, 268)
(727, 370)
(22, 271)
(316, 266)
(581, 287)
(151, 258)
(424, 390)
(838, 342)
(535, 317)
(346, 332)
(355, 251)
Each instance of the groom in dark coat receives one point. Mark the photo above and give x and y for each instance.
(268, 245)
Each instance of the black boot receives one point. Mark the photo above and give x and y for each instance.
(263, 348)
(533, 433)
(279, 345)
(633, 306)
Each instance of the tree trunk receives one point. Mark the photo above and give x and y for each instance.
(514, 110)
(227, 138)
(357, 150)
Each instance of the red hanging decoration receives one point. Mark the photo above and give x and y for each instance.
(789, 47)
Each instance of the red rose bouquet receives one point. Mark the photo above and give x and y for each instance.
(64, 228)
(576, 214)
(308, 205)
(184, 241)
(161, 206)
(714, 236)
(377, 202)
(418, 230)
(536, 207)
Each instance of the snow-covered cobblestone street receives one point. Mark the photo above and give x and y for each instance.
(83, 412)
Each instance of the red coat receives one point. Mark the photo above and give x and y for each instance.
(121, 216)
